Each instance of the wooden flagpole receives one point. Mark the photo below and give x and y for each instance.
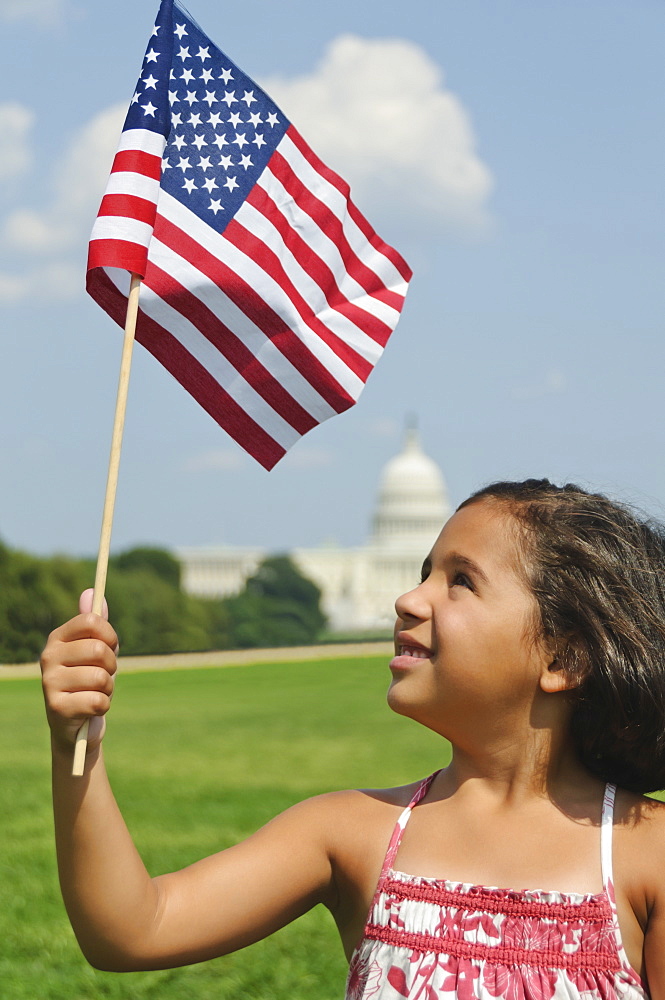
(111, 488)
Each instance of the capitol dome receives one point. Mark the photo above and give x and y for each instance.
(412, 502)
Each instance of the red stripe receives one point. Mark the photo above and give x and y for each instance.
(269, 262)
(242, 359)
(316, 268)
(135, 161)
(328, 222)
(395, 258)
(117, 253)
(129, 206)
(257, 310)
(191, 375)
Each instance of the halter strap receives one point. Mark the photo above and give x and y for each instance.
(400, 826)
(606, 830)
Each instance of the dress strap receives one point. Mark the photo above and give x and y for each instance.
(606, 831)
(400, 826)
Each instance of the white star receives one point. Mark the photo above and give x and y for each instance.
(203, 54)
(180, 31)
(166, 165)
(215, 120)
(155, 30)
(226, 162)
(184, 53)
(258, 140)
(210, 183)
(229, 97)
(249, 98)
(149, 109)
(215, 205)
(199, 142)
(151, 56)
(231, 183)
(190, 185)
(205, 163)
(220, 140)
(135, 99)
(151, 82)
(184, 164)
(245, 161)
(195, 120)
(210, 98)
(226, 75)
(235, 119)
(176, 120)
(272, 119)
(240, 140)
(191, 97)
(173, 96)
(172, 75)
(206, 75)
(179, 142)
(187, 75)
(255, 119)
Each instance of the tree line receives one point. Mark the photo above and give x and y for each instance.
(149, 610)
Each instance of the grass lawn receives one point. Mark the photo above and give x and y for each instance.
(198, 760)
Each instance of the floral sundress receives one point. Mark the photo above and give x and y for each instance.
(427, 938)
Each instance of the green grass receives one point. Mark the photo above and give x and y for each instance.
(198, 760)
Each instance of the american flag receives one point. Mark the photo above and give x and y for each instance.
(265, 292)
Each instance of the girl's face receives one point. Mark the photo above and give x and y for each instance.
(466, 655)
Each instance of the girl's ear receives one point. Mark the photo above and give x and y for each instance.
(555, 678)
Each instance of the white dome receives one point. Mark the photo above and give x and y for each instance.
(412, 504)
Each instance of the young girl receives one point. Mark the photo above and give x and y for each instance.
(535, 643)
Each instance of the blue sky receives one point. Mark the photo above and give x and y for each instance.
(519, 171)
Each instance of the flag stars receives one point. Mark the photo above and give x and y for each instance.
(187, 75)
(184, 53)
(225, 162)
(220, 140)
(248, 97)
(204, 163)
(215, 120)
(240, 140)
(231, 183)
(176, 120)
(165, 164)
(179, 30)
(149, 109)
(135, 98)
(151, 56)
(245, 161)
(195, 120)
(179, 142)
(184, 164)
(199, 142)
(206, 75)
(189, 185)
(151, 82)
(215, 205)
(191, 97)
(203, 54)
(235, 119)
(229, 97)
(272, 119)
(210, 184)
(210, 98)
(155, 31)
(255, 119)
(173, 96)
(226, 75)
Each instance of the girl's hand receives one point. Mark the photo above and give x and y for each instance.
(78, 667)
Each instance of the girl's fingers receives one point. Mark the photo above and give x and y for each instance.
(84, 653)
(85, 603)
(84, 626)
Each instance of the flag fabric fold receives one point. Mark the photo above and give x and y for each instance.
(264, 292)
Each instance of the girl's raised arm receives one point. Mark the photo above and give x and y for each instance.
(124, 919)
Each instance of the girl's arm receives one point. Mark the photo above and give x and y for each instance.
(125, 920)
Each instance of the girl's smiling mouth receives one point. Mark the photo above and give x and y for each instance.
(407, 651)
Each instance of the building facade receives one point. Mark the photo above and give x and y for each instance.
(358, 585)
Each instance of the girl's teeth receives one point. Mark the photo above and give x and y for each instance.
(418, 653)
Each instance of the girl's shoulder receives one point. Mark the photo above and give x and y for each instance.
(639, 845)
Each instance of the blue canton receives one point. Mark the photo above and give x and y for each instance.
(220, 127)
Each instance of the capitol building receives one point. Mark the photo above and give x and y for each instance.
(358, 585)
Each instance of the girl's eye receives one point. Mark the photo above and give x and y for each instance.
(462, 580)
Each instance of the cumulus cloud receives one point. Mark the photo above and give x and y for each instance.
(16, 122)
(378, 112)
(44, 12)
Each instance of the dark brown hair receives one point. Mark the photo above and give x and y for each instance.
(597, 570)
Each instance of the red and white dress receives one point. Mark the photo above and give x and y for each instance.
(428, 938)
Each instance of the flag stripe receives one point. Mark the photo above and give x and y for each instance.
(133, 184)
(128, 206)
(116, 253)
(135, 161)
(144, 139)
(109, 227)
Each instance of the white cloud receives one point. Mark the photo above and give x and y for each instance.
(43, 12)
(378, 112)
(15, 152)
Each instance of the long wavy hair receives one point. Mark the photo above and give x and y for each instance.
(597, 570)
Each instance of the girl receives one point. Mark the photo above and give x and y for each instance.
(535, 643)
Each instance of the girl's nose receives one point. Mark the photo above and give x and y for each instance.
(411, 605)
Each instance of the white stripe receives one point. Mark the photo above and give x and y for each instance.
(129, 182)
(332, 197)
(219, 368)
(142, 139)
(259, 345)
(327, 250)
(119, 227)
(263, 285)
(341, 326)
